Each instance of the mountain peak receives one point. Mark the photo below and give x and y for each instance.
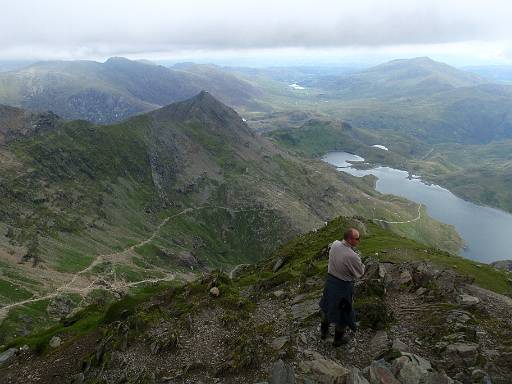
(16, 122)
(117, 59)
(204, 96)
(206, 108)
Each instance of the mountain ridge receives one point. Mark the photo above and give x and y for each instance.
(399, 78)
(114, 90)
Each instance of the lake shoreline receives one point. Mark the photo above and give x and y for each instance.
(472, 221)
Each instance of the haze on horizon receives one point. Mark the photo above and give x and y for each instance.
(258, 32)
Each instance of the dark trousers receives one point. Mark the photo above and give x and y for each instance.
(324, 326)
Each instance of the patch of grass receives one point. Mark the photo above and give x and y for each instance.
(154, 255)
(82, 323)
(13, 292)
(72, 261)
(372, 312)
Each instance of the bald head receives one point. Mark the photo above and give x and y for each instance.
(351, 236)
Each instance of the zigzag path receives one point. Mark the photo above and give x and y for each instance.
(68, 287)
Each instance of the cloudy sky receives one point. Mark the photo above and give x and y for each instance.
(464, 31)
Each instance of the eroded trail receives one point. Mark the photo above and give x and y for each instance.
(84, 290)
(403, 222)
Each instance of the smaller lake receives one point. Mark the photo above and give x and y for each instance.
(487, 232)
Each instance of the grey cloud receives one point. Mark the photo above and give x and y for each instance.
(115, 26)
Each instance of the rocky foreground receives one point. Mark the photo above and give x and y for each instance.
(419, 323)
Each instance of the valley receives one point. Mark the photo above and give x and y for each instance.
(161, 185)
(89, 211)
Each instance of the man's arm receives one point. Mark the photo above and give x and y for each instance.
(356, 266)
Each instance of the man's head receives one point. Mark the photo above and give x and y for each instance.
(351, 236)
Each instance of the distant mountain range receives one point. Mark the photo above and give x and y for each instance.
(399, 78)
(501, 73)
(419, 98)
(115, 90)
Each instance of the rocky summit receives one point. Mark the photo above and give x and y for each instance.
(424, 316)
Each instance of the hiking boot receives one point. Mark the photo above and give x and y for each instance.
(324, 330)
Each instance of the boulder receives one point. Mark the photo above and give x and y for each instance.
(462, 354)
(437, 378)
(399, 345)
(278, 264)
(312, 355)
(280, 342)
(304, 310)
(55, 342)
(380, 373)
(459, 316)
(60, 306)
(410, 368)
(405, 277)
(214, 291)
(467, 300)
(379, 343)
(281, 373)
(324, 371)
(503, 264)
(355, 377)
(7, 356)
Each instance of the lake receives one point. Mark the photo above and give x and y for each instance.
(487, 232)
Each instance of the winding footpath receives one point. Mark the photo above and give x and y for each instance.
(68, 287)
(402, 222)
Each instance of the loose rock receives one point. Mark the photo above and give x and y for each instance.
(55, 341)
(280, 342)
(281, 373)
(325, 371)
(355, 377)
(215, 292)
(467, 300)
(7, 356)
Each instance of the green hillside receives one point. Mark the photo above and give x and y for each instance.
(89, 212)
(277, 300)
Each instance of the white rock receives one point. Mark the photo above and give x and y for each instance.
(215, 292)
(467, 300)
(55, 341)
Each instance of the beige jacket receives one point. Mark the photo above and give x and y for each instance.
(344, 262)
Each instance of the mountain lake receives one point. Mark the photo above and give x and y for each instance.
(487, 232)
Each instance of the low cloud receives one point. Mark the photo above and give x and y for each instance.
(102, 28)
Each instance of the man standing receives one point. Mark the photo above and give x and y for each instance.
(344, 268)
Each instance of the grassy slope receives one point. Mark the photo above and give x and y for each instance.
(304, 257)
(84, 190)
